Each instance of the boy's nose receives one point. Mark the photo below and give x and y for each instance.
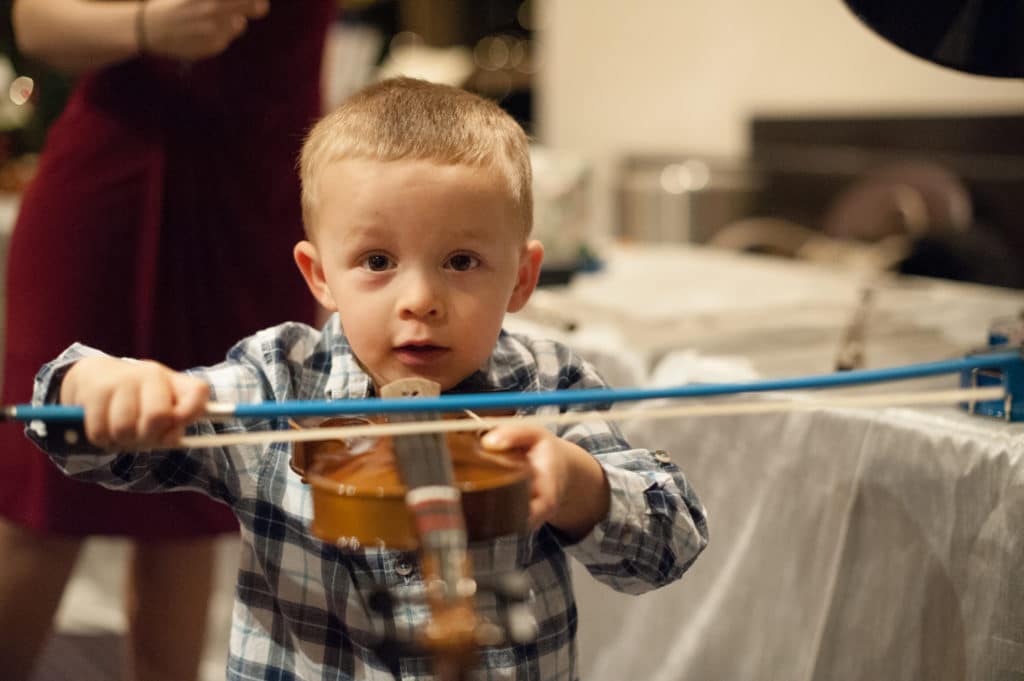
(421, 299)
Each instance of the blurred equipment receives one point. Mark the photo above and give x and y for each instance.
(905, 197)
(682, 198)
(561, 188)
(910, 216)
(351, 54)
(484, 46)
(940, 193)
(927, 195)
(775, 236)
(851, 345)
(1006, 333)
(976, 36)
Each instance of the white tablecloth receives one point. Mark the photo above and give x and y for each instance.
(845, 544)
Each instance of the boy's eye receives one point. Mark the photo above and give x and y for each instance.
(462, 262)
(377, 262)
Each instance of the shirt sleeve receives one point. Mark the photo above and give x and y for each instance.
(656, 526)
(225, 474)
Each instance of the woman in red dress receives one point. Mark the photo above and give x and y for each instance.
(166, 195)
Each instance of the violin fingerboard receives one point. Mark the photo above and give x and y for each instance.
(423, 458)
(425, 466)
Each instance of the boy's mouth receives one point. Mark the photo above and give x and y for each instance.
(419, 354)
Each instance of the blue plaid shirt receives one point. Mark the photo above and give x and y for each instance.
(301, 604)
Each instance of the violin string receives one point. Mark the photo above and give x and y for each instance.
(473, 415)
(941, 397)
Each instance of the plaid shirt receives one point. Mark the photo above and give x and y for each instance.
(301, 604)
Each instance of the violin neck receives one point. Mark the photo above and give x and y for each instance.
(437, 513)
(425, 466)
(423, 458)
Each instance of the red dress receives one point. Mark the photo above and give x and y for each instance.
(160, 224)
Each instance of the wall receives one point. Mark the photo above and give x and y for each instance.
(656, 75)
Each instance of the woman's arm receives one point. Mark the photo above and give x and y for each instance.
(80, 35)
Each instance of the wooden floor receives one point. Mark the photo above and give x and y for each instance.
(90, 622)
(81, 657)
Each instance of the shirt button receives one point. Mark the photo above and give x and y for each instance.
(404, 568)
(662, 456)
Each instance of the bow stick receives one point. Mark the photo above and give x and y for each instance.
(1010, 363)
(512, 400)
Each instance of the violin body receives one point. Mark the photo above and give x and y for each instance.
(359, 498)
(432, 493)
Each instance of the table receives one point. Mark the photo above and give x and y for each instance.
(845, 544)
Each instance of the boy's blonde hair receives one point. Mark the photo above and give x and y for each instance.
(409, 119)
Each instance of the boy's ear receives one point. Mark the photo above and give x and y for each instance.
(308, 259)
(529, 272)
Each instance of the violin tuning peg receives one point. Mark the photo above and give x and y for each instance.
(508, 587)
(521, 624)
(489, 634)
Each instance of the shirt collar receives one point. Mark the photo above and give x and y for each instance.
(348, 380)
(504, 371)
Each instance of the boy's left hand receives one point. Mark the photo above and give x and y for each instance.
(569, 488)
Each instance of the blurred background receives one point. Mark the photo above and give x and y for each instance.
(668, 137)
(787, 128)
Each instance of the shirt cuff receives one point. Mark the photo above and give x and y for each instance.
(619, 536)
(50, 377)
(58, 436)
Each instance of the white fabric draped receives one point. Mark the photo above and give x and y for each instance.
(845, 544)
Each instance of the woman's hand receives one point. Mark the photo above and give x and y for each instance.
(81, 35)
(195, 29)
(131, 405)
(569, 489)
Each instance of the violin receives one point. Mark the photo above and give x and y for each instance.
(426, 492)
(359, 497)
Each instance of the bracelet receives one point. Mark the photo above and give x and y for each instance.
(140, 28)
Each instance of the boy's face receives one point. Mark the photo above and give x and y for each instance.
(421, 260)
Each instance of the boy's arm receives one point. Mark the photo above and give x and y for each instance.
(221, 474)
(655, 526)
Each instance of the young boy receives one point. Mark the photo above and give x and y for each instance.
(418, 211)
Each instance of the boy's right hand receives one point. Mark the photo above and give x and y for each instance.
(133, 405)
